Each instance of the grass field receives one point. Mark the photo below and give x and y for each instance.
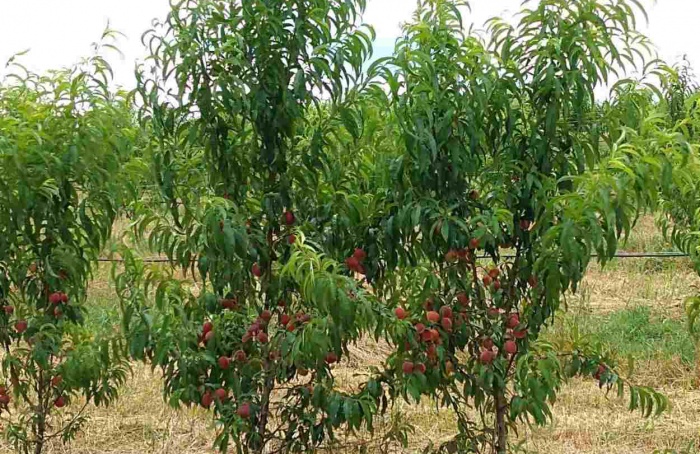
(633, 306)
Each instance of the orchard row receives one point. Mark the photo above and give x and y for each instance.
(443, 200)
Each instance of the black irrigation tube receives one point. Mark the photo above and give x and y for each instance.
(619, 255)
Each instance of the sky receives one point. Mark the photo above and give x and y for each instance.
(59, 32)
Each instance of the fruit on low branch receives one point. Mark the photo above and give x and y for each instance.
(60, 402)
(513, 321)
(21, 326)
(407, 367)
(451, 256)
(446, 312)
(289, 217)
(331, 358)
(220, 394)
(433, 317)
(207, 327)
(244, 410)
(284, 319)
(434, 335)
(400, 313)
(521, 334)
(207, 400)
(353, 264)
(224, 362)
(446, 324)
(463, 299)
(510, 347)
(229, 303)
(487, 356)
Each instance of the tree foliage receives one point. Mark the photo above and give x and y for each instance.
(444, 199)
(65, 137)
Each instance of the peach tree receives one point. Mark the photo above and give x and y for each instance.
(507, 182)
(65, 137)
(243, 101)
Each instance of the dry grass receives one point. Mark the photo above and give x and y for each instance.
(585, 419)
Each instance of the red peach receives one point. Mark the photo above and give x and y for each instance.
(244, 410)
(433, 317)
(220, 394)
(289, 218)
(331, 358)
(207, 400)
(207, 327)
(463, 299)
(21, 326)
(224, 362)
(446, 312)
(513, 321)
(400, 313)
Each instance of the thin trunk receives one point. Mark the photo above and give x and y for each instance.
(265, 411)
(40, 427)
(501, 441)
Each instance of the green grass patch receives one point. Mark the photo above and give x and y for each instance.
(636, 332)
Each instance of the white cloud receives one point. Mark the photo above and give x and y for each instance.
(60, 32)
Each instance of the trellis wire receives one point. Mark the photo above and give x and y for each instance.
(619, 255)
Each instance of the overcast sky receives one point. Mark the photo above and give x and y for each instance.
(59, 32)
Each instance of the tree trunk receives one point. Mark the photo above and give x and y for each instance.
(265, 410)
(501, 435)
(41, 410)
